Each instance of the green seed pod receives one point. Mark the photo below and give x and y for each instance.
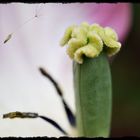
(92, 85)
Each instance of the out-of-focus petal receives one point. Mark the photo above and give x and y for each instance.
(36, 44)
(118, 16)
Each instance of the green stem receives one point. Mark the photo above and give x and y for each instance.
(93, 93)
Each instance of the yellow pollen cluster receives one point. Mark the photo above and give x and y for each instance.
(89, 40)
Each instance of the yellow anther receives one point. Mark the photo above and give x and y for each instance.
(90, 40)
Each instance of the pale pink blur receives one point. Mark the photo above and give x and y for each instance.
(36, 44)
(117, 16)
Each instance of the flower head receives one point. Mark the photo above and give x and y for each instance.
(90, 40)
(36, 44)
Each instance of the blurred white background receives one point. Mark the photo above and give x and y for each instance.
(35, 43)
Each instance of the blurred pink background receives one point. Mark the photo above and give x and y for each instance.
(35, 44)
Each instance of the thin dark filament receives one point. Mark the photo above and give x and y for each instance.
(22, 115)
(9, 36)
(68, 111)
(38, 8)
(27, 21)
(53, 123)
(47, 75)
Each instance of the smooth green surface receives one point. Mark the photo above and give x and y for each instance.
(92, 83)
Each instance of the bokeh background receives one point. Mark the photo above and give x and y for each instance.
(126, 83)
(32, 45)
